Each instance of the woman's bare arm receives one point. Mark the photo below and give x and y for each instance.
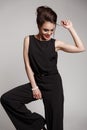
(78, 47)
(36, 91)
(28, 69)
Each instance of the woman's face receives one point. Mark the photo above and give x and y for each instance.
(46, 30)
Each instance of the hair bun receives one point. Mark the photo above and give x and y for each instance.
(45, 13)
(41, 9)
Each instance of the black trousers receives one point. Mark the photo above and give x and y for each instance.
(14, 102)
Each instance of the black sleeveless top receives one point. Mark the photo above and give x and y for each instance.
(42, 56)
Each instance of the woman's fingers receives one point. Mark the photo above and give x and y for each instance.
(37, 94)
(66, 23)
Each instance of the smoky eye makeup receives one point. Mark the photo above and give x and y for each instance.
(52, 30)
(46, 30)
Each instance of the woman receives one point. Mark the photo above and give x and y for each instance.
(40, 58)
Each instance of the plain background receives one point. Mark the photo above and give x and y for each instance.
(17, 20)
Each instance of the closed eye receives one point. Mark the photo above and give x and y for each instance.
(52, 30)
(46, 30)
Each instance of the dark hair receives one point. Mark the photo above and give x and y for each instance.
(45, 13)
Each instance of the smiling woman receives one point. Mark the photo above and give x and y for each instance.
(40, 60)
(46, 21)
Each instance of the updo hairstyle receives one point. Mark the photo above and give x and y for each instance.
(45, 13)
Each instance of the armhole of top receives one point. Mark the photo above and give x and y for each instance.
(54, 40)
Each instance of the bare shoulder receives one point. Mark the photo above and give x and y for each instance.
(26, 44)
(26, 41)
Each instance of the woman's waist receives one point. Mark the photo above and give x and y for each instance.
(50, 81)
(47, 77)
(48, 73)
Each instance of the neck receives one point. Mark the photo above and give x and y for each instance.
(40, 37)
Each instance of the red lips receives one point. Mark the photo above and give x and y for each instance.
(47, 36)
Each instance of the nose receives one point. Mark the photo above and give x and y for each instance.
(49, 33)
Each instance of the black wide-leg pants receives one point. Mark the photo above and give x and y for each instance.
(14, 102)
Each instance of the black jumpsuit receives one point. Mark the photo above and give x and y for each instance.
(43, 61)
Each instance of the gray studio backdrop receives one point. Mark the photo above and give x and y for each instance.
(17, 19)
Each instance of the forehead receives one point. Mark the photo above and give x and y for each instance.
(48, 25)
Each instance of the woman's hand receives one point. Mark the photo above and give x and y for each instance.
(66, 24)
(37, 93)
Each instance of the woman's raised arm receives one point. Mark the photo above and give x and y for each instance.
(78, 47)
